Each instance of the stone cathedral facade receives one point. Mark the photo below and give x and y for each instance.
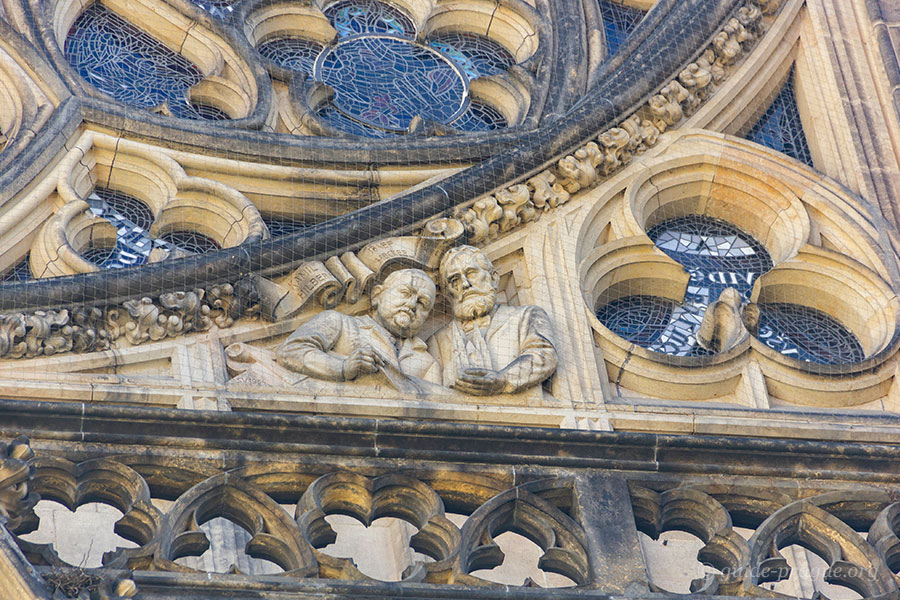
(470, 299)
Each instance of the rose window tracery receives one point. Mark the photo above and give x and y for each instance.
(128, 64)
(718, 256)
(132, 220)
(386, 75)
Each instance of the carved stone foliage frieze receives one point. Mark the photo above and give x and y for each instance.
(611, 150)
(90, 329)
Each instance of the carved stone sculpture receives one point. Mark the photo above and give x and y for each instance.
(16, 471)
(722, 327)
(489, 348)
(338, 347)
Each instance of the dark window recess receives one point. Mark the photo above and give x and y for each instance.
(780, 127)
(618, 23)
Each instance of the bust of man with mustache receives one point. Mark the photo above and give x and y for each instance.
(339, 347)
(489, 348)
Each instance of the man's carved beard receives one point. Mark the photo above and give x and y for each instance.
(474, 305)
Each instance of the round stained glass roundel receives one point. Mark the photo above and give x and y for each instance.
(385, 81)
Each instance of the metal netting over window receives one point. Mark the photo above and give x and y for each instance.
(126, 63)
(294, 53)
(807, 334)
(618, 23)
(279, 226)
(780, 127)
(383, 78)
(480, 117)
(190, 241)
(20, 272)
(352, 17)
(385, 82)
(132, 220)
(717, 255)
(475, 54)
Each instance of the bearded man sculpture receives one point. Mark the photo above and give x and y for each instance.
(489, 348)
(338, 347)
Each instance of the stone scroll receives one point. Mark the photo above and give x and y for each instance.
(350, 276)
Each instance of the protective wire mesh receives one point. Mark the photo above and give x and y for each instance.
(331, 125)
(619, 22)
(780, 127)
(718, 256)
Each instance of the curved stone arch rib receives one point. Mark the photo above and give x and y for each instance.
(275, 536)
(366, 499)
(98, 480)
(525, 510)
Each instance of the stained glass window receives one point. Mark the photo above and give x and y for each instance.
(780, 127)
(20, 272)
(480, 117)
(132, 220)
(807, 334)
(383, 78)
(294, 53)
(364, 71)
(279, 226)
(126, 63)
(618, 23)
(190, 241)
(475, 54)
(718, 255)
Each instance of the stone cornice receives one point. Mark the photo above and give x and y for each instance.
(265, 436)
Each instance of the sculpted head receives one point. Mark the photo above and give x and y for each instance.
(470, 280)
(401, 303)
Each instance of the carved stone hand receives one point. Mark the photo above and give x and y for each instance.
(483, 382)
(361, 361)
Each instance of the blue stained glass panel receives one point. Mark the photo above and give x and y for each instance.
(807, 334)
(126, 63)
(618, 23)
(353, 17)
(476, 55)
(190, 241)
(385, 82)
(717, 255)
(639, 319)
(132, 220)
(780, 127)
(294, 53)
(20, 272)
(279, 226)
